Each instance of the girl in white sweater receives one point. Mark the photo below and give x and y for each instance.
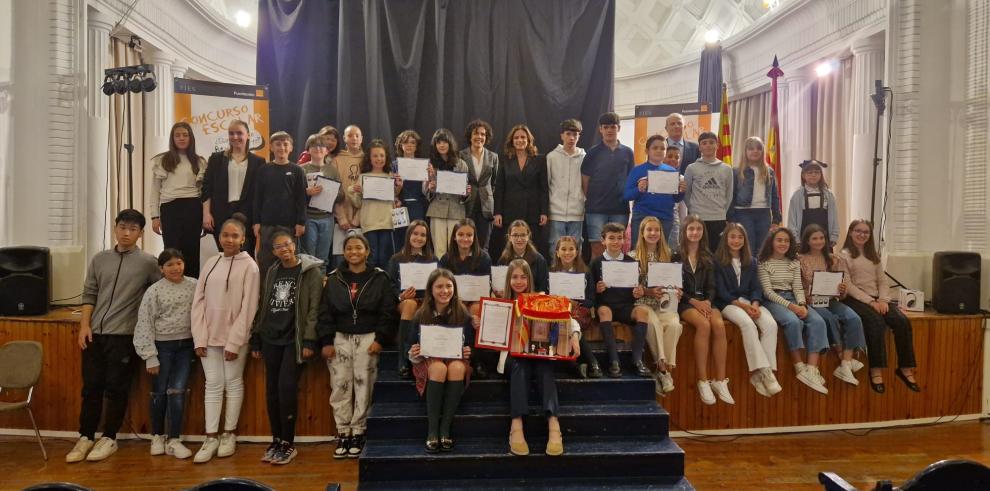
(224, 306)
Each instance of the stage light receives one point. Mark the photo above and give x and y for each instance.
(712, 36)
(824, 68)
(134, 84)
(243, 18)
(120, 84)
(149, 84)
(108, 85)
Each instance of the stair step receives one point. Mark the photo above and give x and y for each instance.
(390, 388)
(489, 458)
(491, 419)
(587, 484)
(388, 360)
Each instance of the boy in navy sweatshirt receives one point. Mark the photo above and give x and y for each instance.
(280, 200)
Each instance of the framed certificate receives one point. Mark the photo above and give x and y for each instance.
(496, 324)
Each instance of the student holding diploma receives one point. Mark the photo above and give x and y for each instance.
(567, 261)
(649, 203)
(845, 328)
(664, 324)
(411, 196)
(376, 208)
(445, 209)
(739, 296)
(442, 379)
(465, 257)
(318, 236)
(417, 249)
(520, 280)
(696, 308)
(520, 246)
(614, 301)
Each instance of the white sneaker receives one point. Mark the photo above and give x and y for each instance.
(228, 444)
(705, 392)
(844, 373)
(810, 377)
(176, 449)
(666, 381)
(770, 381)
(104, 448)
(207, 451)
(799, 367)
(756, 379)
(856, 365)
(79, 451)
(721, 389)
(157, 444)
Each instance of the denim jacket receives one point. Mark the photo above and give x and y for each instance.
(742, 194)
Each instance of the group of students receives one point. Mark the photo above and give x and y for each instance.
(287, 307)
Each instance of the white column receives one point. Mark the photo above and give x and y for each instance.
(98, 58)
(158, 119)
(867, 68)
(795, 129)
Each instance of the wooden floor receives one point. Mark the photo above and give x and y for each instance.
(778, 462)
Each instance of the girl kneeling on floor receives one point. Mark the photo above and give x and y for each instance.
(442, 380)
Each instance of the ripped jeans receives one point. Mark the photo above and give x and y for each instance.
(168, 388)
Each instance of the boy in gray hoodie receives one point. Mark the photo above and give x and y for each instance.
(566, 194)
(115, 283)
(709, 189)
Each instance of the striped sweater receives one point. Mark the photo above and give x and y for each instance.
(781, 274)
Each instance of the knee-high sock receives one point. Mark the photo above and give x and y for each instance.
(639, 341)
(451, 399)
(434, 403)
(609, 334)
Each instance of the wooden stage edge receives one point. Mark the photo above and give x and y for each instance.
(949, 352)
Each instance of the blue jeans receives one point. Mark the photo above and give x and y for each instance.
(756, 221)
(318, 239)
(796, 330)
(560, 229)
(845, 328)
(381, 247)
(168, 388)
(596, 221)
(637, 218)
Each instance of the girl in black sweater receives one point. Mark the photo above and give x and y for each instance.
(417, 248)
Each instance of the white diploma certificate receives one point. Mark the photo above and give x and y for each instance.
(470, 288)
(379, 188)
(665, 274)
(415, 275)
(495, 324)
(441, 342)
(413, 169)
(620, 274)
(570, 285)
(663, 182)
(826, 284)
(324, 201)
(498, 277)
(452, 182)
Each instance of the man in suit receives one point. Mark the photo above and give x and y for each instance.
(689, 153)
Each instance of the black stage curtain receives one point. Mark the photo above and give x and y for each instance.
(297, 60)
(426, 64)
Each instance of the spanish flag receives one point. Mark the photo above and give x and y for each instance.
(724, 134)
(773, 135)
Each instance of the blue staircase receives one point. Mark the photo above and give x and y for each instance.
(615, 438)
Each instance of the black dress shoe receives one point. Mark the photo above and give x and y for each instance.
(594, 371)
(877, 387)
(479, 372)
(641, 369)
(614, 371)
(911, 385)
(446, 444)
(432, 445)
(405, 373)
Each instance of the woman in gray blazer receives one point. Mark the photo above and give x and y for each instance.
(482, 164)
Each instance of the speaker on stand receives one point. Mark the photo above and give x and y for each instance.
(25, 280)
(956, 282)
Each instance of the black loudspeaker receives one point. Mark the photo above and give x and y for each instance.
(25, 280)
(956, 282)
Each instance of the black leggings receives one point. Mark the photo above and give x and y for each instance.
(282, 389)
(875, 325)
(182, 226)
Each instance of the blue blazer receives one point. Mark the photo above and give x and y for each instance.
(727, 289)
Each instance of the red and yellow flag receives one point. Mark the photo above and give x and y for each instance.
(724, 134)
(773, 135)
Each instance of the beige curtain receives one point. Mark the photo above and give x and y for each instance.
(831, 138)
(120, 192)
(749, 116)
